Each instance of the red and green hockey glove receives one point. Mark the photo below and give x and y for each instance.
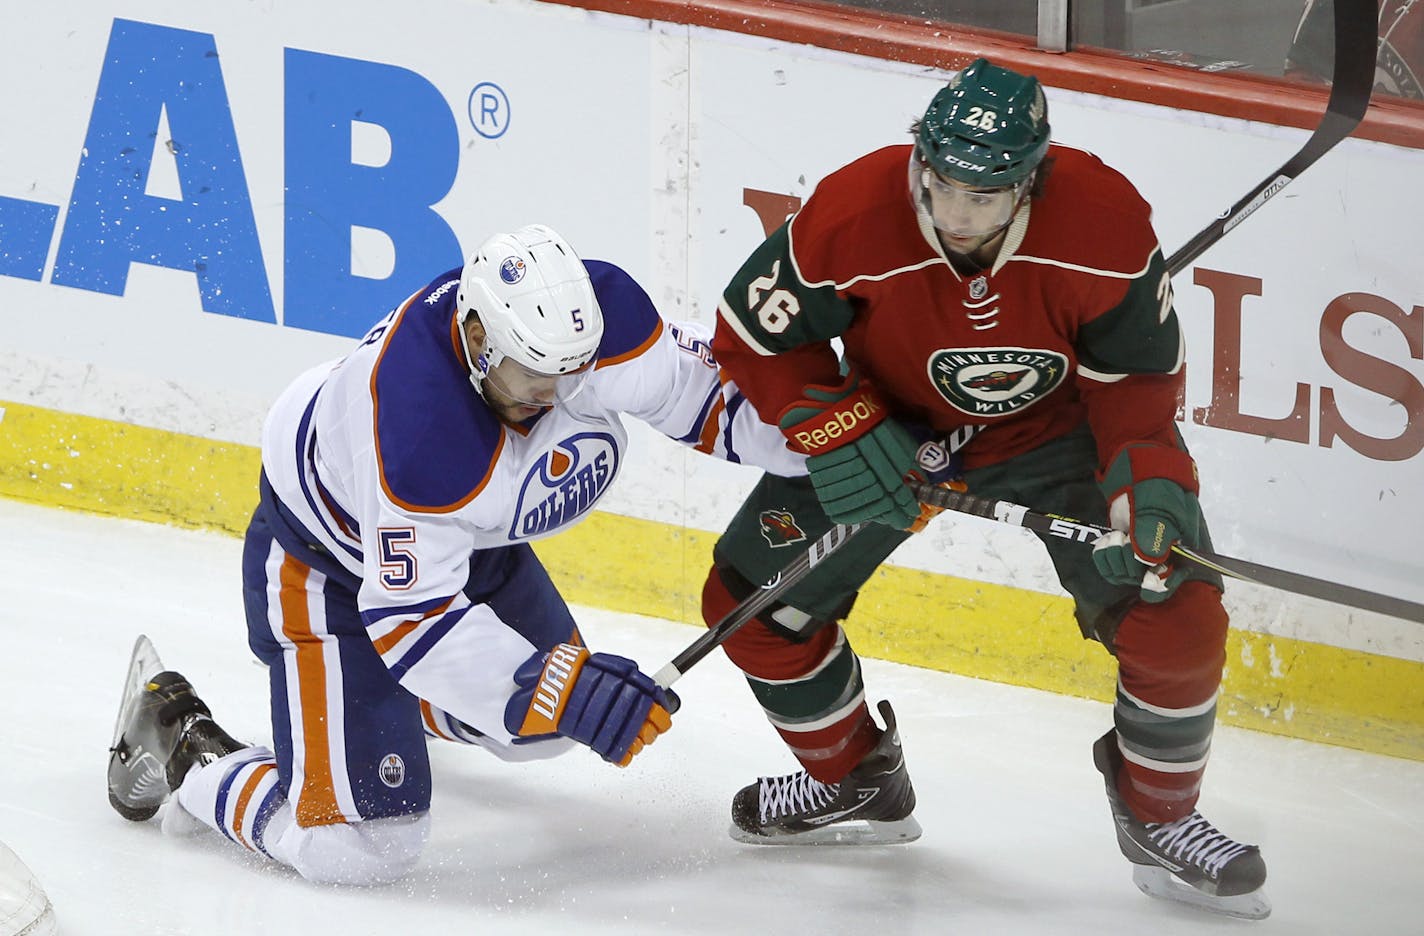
(597, 699)
(1151, 490)
(858, 456)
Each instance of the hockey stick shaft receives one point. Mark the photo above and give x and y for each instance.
(1356, 25)
(1068, 528)
(752, 605)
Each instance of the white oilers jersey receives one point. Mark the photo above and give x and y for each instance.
(392, 464)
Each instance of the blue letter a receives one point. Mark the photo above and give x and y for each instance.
(112, 222)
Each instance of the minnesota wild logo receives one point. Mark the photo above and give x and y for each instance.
(995, 381)
(780, 528)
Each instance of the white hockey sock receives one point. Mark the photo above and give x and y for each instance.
(236, 795)
(240, 797)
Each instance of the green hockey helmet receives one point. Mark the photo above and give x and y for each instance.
(987, 128)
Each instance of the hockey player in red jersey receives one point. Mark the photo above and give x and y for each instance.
(979, 278)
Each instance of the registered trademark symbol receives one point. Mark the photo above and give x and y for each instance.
(489, 110)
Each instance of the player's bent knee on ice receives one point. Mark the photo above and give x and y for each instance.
(376, 851)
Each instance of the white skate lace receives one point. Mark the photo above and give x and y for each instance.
(793, 794)
(1193, 839)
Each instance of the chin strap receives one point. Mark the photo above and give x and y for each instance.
(478, 364)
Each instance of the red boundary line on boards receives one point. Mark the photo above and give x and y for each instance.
(1095, 71)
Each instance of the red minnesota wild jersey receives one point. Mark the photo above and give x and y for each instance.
(1073, 322)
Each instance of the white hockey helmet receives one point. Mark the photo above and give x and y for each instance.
(542, 321)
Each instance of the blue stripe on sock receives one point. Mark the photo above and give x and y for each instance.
(224, 787)
(270, 804)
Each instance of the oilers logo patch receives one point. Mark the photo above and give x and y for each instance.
(564, 484)
(511, 270)
(392, 770)
(988, 382)
(780, 528)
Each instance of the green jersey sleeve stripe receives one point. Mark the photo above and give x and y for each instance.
(1104, 377)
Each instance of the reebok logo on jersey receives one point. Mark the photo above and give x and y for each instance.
(987, 382)
(440, 291)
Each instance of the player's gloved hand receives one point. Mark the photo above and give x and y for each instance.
(1151, 491)
(859, 456)
(597, 699)
(936, 465)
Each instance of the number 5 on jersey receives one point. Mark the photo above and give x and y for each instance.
(398, 565)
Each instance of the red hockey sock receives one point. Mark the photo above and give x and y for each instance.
(810, 689)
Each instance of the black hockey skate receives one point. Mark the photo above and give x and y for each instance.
(1188, 860)
(871, 806)
(163, 729)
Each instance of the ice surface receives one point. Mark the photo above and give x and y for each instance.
(1017, 834)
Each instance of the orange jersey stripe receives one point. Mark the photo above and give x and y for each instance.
(316, 800)
(403, 630)
(708, 438)
(629, 355)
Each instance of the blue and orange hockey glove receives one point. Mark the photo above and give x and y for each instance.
(938, 466)
(597, 699)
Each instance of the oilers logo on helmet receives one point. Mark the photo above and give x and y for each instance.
(564, 484)
(511, 270)
(532, 296)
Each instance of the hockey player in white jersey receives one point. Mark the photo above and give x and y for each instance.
(388, 578)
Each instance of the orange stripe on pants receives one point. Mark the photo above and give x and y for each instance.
(316, 801)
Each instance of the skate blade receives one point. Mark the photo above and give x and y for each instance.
(24, 906)
(863, 832)
(1159, 882)
(144, 664)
